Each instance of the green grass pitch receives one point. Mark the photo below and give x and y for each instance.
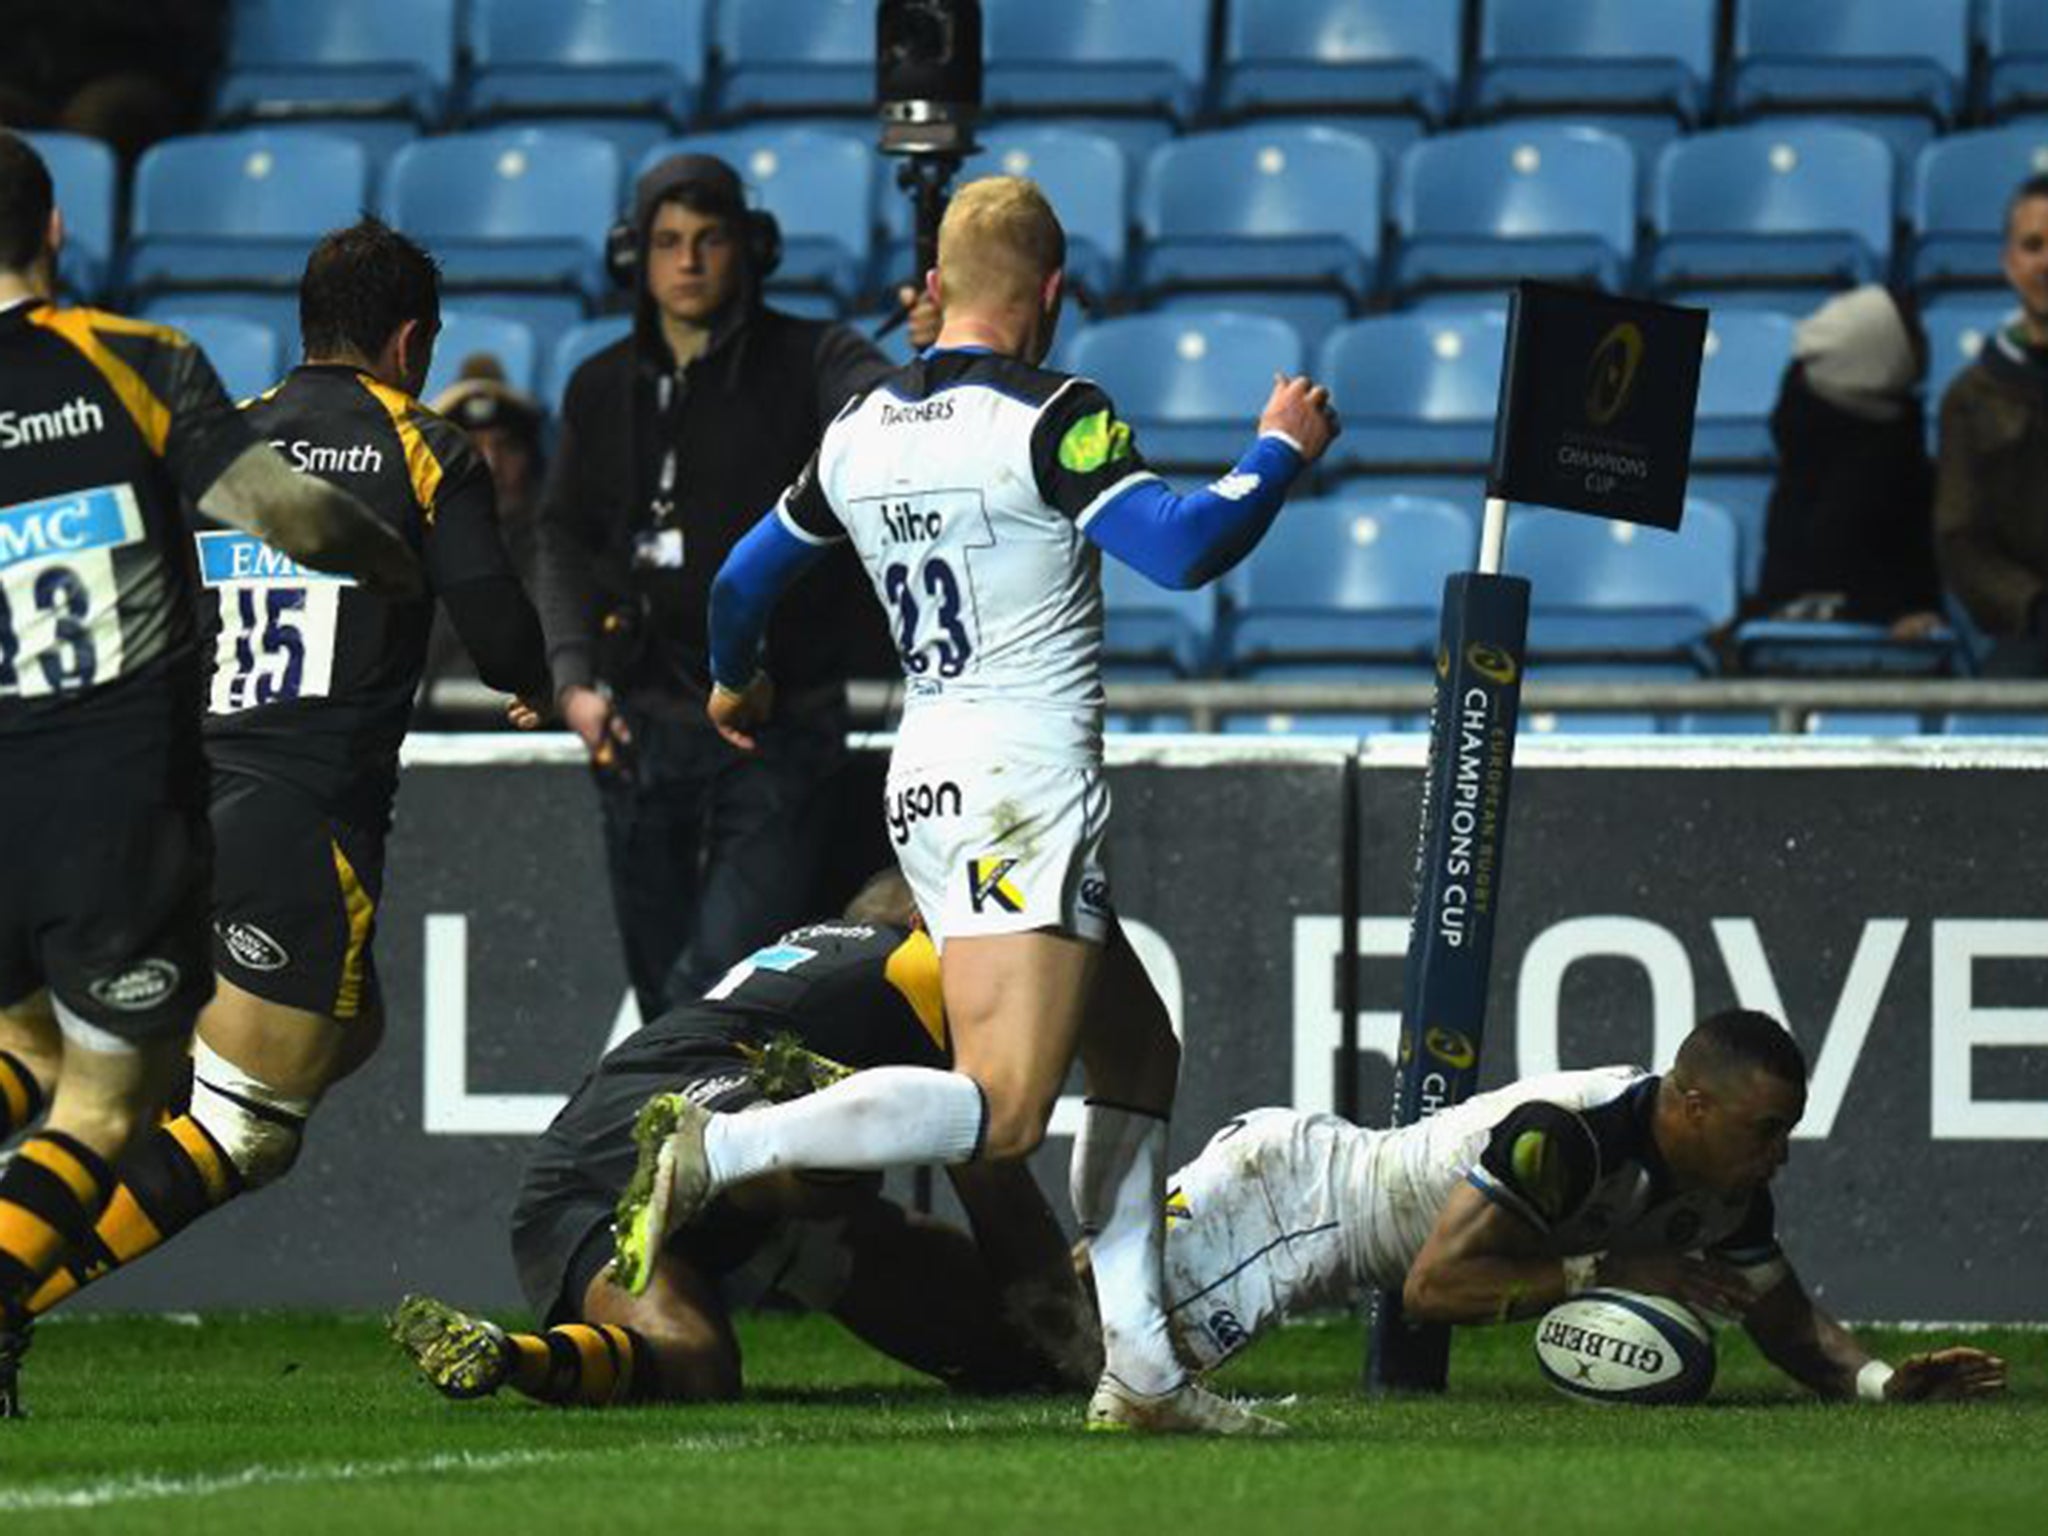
(314, 1424)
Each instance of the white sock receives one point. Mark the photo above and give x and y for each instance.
(886, 1117)
(1118, 1186)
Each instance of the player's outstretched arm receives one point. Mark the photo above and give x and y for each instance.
(1808, 1345)
(1186, 541)
(759, 570)
(318, 525)
(1482, 1263)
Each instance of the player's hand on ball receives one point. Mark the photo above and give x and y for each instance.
(1946, 1375)
(1703, 1283)
(1301, 408)
(736, 714)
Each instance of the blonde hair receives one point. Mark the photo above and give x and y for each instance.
(998, 244)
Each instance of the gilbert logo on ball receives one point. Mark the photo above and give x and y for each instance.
(1623, 1347)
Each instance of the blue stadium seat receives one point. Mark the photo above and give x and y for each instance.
(1870, 722)
(466, 333)
(574, 348)
(1311, 723)
(289, 58)
(1382, 56)
(278, 311)
(244, 352)
(1590, 722)
(509, 209)
(1956, 332)
(1614, 591)
(1960, 187)
(1777, 206)
(1315, 313)
(793, 56)
(1991, 723)
(1596, 55)
(1724, 722)
(1267, 204)
(1191, 386)
(1481, 208)
(1347, 579)
(1152, 633)
(87, 183)
(1746, 356)
(1086, 175)
(1417, 391)
(231, 209)
(819, 184)
(1144, 57)
(1837, 648)
(1850, 56)
(2016, 50)
(1745, 495)
(616, 57)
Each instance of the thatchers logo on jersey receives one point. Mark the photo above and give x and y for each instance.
(327, 459)
(251, 948)
(103, 518)
(939, 409)
(142, 986)
(1094, 442)
(29, 429)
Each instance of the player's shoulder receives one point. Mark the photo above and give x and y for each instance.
(842, 940)
(119, 345)
(76, 319)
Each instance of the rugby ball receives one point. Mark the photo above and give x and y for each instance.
(1609, 1346)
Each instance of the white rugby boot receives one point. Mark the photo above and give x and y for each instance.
(1188, 1409)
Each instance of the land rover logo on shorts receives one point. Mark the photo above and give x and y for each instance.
(1490, 662)
(988, 881)
(1611, 377)
(142, 986)
(251, 948)
(1451, 1047)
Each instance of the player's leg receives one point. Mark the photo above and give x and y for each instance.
(30, 1054)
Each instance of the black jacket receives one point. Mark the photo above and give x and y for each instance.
(743, 419)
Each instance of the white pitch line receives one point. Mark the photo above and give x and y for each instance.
(130, 1490)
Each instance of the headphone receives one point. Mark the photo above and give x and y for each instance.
(760, 235)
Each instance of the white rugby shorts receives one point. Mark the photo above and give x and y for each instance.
(1255, 1230)
(1002, 847)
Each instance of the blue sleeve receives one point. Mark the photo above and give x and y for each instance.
(759, 570)
(1184, 541)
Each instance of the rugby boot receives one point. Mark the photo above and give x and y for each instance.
(1189, 1409)
(671, 1185)
(460, 1356)
(13, 1345)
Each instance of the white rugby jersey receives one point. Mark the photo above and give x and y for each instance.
(1603, 1185)
(965, 481)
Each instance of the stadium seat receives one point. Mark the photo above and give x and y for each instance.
(1840, 56)
(1960, 188)
(819, 184)
(1596, 55)
(1347, 579)
(278, 311)
(1088, 178)
(1480, 208)
(1867, 722)
(1723, 722)
(2016, 54)
(244, 352)
(1150, 632)
(1268, 204)
(1190, 386)
(1315, 313)
(619, 57)
(1837, 648)
(1775, 207)
(793, 57)
(1418, 392)
(1317, 723)
(509, 209)
(575, 346)
(467, 333)
(1377, 56)
(1746, 354)
(240, 209)
(291, 58)
(1745, 495)
(1614, 591)
(1590, 722)
(1956, 333)
(87, 183)
(1993, 723)
(1133, 57)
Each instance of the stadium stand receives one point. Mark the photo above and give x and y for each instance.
(226, 210)
(1746, 354)
(573, 346)
(793, 57)
(1151, 632)
(1957, 212)
(1481, 208)
(2016, 48)
(1417, 391)
(624, 57)
(1902, 69)
(1191, 386)
(356, 58)
(1389, 68)
(1066, 57)
(88, 189)
(244, 352)
(466, 332)
(1596, 56)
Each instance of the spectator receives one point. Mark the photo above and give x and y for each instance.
(673, 442)
(1989, 513)
(110, 69)
(1850, 532)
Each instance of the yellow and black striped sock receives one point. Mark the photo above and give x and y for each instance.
(174, 1177)
(21, 1096)
(580, 1364)
(49, 1197)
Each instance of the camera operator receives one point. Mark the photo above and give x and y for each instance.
(673, 442)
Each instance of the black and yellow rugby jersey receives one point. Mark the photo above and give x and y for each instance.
(106, 426)
(312, 679)
(857, 995)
